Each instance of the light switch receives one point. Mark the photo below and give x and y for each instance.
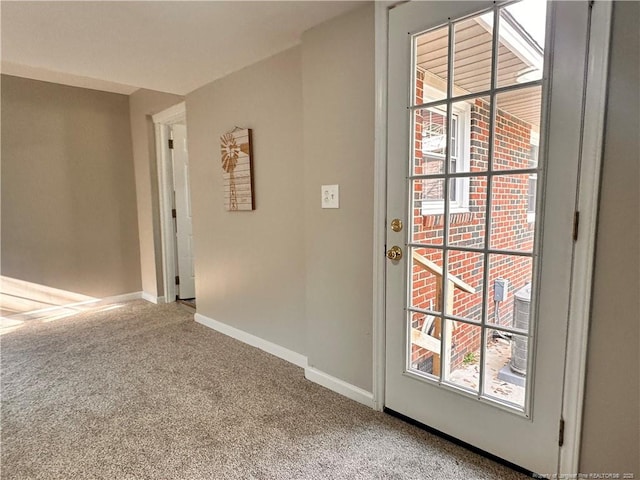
(330, 196)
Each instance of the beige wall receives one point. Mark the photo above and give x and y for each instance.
(611, 435)
(290, 272)
(143, 104)
(250, 265)
(68, 192)
(339, 101)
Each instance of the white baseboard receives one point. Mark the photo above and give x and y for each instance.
(310, 373)
(125, 297)
(152, 298)
(339, 386)
(262, 344)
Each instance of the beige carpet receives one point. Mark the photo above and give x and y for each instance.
(141, 391)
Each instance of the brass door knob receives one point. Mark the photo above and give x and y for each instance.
(394, 253)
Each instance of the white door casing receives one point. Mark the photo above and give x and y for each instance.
(163, 121)
(472, 420)
(184, 228)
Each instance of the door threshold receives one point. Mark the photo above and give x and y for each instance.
(459, 442)
(189, 302)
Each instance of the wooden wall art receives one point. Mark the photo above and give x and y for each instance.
(237, 155)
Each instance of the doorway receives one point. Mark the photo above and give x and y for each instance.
(175, 204)
(484, 135)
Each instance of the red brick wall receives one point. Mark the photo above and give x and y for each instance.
(510, 229)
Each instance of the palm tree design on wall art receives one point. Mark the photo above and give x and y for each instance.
(235, 147)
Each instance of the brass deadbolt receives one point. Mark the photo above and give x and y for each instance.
(396, 225)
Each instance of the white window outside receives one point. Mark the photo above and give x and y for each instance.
(434, 155)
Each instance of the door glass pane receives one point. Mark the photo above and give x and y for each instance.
(517, 123)
(433, 195)
(512, 228)
(430, 144)
(472, 54)
(505, 366)
(521, 42)
(431, 61)
(426, 279)
(463, 366)
(509, 293)
(427, 210)
(467, 214)
(425, 331)
(470, 140)
(465, 279)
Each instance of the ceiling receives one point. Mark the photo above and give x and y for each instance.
(169, 46)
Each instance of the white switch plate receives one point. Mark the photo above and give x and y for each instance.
(330, 196)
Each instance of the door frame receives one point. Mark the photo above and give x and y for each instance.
(594, 104)
(162, 122)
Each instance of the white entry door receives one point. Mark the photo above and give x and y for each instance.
(484, 120)
(184, 229)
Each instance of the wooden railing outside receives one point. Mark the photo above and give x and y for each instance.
(432, 342)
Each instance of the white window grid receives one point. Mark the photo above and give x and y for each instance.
(448, 104)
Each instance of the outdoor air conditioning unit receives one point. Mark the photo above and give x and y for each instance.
(521, 303)
(516, 370)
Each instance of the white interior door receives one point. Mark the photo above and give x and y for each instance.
(484, 121)
(184, 229)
